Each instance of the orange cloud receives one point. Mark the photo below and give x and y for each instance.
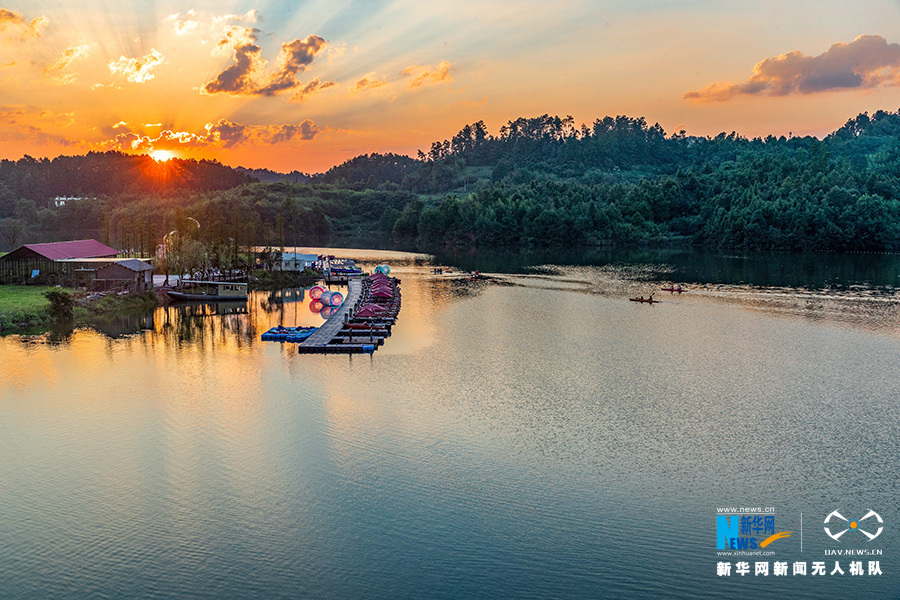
(137, 70)
(294, 58)
(11, 115)
(143, 144)
(369, 82)
(247, 62)
(246, 77)
(134, 142)
(14, 21)
(866, 62)
(230, 134)
(55, 70)
(311, 88)
(16, 124)
(423, 74)
(223, 134)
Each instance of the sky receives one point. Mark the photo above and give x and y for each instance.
(308, 84)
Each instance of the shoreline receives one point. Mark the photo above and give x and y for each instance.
(25, 311)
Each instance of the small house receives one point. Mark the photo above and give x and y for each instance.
(131, 274)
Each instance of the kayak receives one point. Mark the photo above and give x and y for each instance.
(679, 290)
(644, 300)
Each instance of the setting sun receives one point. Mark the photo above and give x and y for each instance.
(161, 155)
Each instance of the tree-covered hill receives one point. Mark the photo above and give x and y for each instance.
(370, 169)
(546, 181)
(271, 176)
(108, 173)
(541, 181)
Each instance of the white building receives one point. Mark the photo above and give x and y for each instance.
(62, 200)
(295, 261)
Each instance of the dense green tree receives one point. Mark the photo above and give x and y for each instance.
(540, 181)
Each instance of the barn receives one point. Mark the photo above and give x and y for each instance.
(51, 262)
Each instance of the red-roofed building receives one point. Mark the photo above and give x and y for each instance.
(41, 263)
(74, 249)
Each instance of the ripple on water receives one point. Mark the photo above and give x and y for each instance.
(543, 438)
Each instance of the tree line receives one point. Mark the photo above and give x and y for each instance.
(542, 181)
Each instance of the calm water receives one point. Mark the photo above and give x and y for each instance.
(532, 436)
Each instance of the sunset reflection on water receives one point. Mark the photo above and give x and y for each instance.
(517, 423)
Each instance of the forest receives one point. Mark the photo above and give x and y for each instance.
(537, 182)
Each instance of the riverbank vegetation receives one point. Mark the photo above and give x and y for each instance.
(94, 305)
(539, 182)
(22, 307)
(277, 280)
(33, 309)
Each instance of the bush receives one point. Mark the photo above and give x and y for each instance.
(62, 304)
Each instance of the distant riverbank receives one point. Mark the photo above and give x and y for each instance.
(277, 280)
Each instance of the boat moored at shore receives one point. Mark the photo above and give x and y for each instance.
(192, 289)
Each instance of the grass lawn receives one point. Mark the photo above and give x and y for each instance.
(22, 304)
(22, 297)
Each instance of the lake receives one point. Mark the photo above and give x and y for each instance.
(530, 435)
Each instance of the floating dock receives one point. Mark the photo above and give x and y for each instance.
(324, 334)
(340, 279)
(334, 337)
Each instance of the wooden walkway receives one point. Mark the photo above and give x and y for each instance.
(341, 279)
(324, 334)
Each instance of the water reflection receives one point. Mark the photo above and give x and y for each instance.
(203, 324)
(824, 288)
(858, 289)
(809, 270)
(123, 324)
(506, 442)
(874, 309)
(273, 300)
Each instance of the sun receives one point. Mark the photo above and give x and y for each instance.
(161, 155)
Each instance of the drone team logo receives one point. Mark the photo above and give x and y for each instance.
(854, 525)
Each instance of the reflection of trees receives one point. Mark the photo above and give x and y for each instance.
(61, 330)
(458, 289)
(203, 324)
(122, 324)
(275, 300)
(114, 326)
(211, 324)
(808, 270)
